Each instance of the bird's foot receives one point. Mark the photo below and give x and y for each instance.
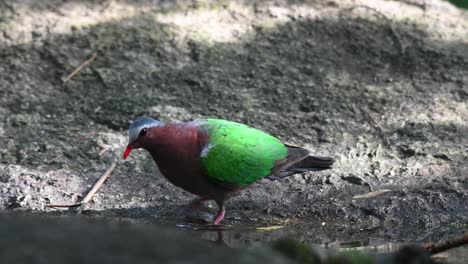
(220, 216)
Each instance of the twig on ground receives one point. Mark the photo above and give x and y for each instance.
(388, 20)
(56, 158)
(96, 187)
(104, 150)
(434, 248)
(91, 193)
(79, 68)
(233, 14)
(104, 147)
(417, 3)
(379, 128)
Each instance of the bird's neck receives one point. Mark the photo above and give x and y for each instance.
(175, 142)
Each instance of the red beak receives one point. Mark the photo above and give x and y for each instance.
(127, 151)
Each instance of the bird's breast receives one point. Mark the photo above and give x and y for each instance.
(178, 158)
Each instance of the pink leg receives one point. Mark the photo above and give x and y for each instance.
(220, 215)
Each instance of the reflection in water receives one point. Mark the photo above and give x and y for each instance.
(314, 235)
(381, 239)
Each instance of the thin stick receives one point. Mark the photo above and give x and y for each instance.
(90, 194)
(379, 128)
(104, 150)
(79, 68)
(389, 22)
(96, 187)
(434, 248)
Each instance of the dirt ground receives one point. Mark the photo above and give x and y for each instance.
(382, 86)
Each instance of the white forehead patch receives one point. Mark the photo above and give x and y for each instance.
(139, 124)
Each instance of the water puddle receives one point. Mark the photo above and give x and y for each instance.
(327, 237)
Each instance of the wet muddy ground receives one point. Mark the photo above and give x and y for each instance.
(380, 85)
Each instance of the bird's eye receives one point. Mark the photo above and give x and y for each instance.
(143, 132)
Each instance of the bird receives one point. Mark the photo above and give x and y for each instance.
(216, 159)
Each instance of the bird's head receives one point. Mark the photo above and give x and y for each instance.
(137, 133)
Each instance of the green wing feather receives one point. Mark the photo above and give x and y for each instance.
(239, 154)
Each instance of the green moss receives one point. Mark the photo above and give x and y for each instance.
(460, 3)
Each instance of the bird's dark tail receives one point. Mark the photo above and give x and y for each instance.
(299, 160)
(313, 163)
